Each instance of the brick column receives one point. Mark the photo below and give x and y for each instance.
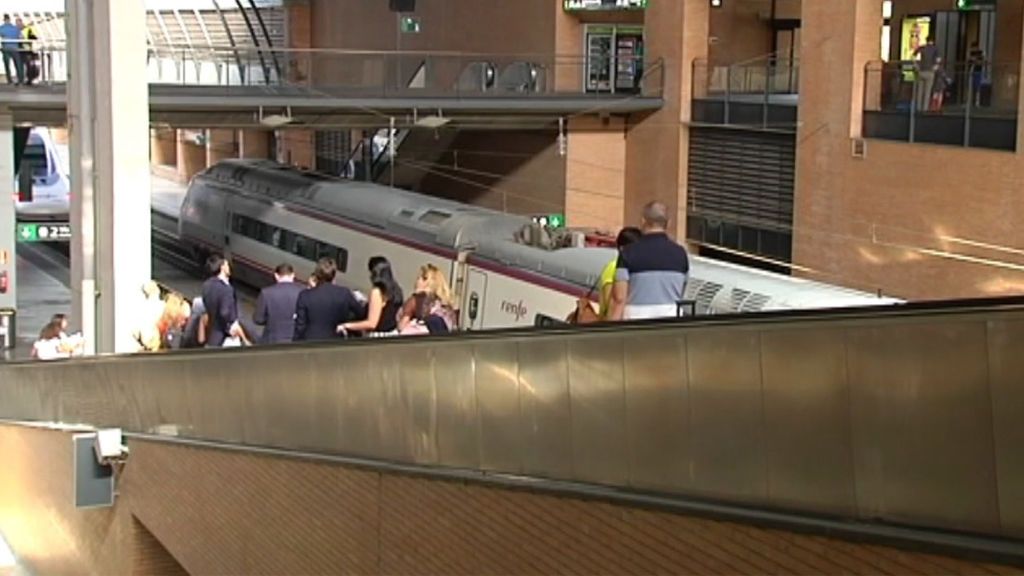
(191, 156)
(839, 39)
(254, 144)
(220, 145)
(163, 147)
(658, 146)
(595, 173)
(296, 148)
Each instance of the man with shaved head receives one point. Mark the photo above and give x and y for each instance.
(651, 273)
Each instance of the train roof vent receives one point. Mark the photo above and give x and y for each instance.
(704, 294)
(407, 214)
(755, 303)
(739, 296)
(435, 217)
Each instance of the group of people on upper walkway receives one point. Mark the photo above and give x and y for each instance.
(17, 45)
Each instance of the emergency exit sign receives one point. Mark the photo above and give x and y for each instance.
(50, 232)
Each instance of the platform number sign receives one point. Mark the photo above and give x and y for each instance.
(551, 220)
(35, 232)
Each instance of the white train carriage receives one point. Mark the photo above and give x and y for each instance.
(262, 214)
(51, 188)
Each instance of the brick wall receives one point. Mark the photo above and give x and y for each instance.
(217, 512)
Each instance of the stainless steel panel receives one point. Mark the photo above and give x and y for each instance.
(322, 376)
(216, 389)
(807, 421)
(922, 424)
(393, 413)
(458, 424)
(361, 400)
(1006, 373)
(726, 431)
(546, 423)
(598, 408)
(279, 402)
(657, 411)
(417, 389)
(497, 390)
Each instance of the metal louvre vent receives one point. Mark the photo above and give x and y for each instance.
(703, 293)
(743, 177)
(755, 303)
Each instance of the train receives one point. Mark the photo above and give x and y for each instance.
(261, 213)
(51, 187)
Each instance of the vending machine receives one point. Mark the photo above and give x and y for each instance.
(614, 58)
(628, 61)
(599, 58)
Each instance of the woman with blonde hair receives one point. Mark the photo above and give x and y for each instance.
(431, 297)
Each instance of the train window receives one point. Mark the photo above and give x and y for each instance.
(342, 260)
(434, 217)
(305, 247)
(240, 225)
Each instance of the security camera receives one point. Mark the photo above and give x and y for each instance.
(109, 447)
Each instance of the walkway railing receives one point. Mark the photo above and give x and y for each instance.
(961, 104)
(761, 92)
(369, 73)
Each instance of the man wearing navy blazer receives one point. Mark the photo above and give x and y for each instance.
(220, 303)
(321, 309)
(275, 308)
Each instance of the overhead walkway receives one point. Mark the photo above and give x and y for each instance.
(235, 87)
(900, 423)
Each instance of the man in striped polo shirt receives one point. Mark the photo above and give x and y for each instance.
(651, 272)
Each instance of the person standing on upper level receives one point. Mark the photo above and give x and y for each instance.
(10, 45)
(651, 272)
(275, 308)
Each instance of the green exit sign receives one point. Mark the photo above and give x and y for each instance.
(38, 232)
(410, 25)
(551, 220)
(966, 5)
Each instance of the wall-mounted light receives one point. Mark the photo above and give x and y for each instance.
(717, 3)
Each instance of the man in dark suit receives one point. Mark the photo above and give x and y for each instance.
(219, 301)
(320, 310)
(275, 308)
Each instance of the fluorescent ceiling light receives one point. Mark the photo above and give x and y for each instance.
(276, 120)
(432, 121)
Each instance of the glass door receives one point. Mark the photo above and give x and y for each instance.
(600, 42)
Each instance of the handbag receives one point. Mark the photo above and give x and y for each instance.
(584, 312)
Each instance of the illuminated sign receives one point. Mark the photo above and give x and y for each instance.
(551, 220)
(33, 232)
(582, 5)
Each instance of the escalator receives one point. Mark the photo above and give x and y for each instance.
(898, 421)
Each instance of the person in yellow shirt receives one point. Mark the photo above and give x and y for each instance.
(626, 237)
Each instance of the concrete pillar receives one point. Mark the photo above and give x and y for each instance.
(163, 147)
(658, 146)
(254, 144)
(220, 145)
(191, 154)
(595, 173)
(108, 115)
(8, 261)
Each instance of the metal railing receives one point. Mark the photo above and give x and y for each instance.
(367, 73)
(761, 92)
(969, 104)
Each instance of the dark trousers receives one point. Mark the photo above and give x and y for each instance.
(14, 57)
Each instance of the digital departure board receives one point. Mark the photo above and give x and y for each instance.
(585, 5)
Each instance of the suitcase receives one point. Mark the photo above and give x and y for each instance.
(32, 69)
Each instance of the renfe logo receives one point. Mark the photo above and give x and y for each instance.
(517, 309)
